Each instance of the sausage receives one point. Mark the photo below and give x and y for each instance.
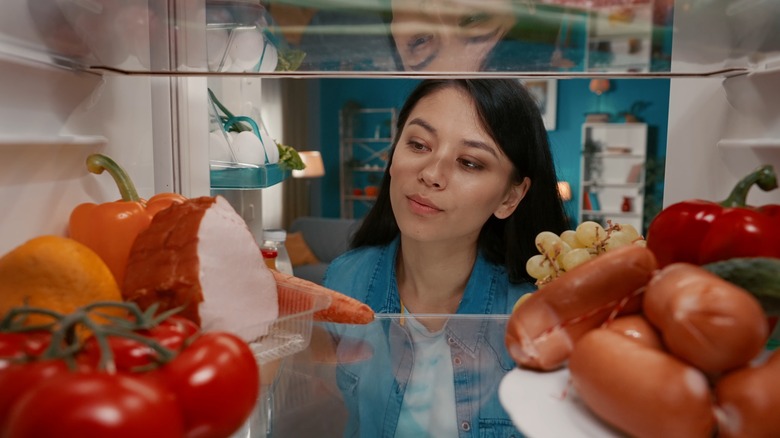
(201, 255)
(542, 330)
(748, 401)
(705, 320)
(640, 390)
(638, 329)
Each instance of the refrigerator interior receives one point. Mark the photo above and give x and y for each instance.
(130, 79)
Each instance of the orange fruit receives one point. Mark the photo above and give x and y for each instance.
(55, 273)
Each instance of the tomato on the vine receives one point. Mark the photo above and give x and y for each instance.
(216, 381)
(19, 378)
(130, 355)
(96, 404)
(21, 346)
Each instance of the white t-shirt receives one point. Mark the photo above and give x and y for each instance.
(429, 401)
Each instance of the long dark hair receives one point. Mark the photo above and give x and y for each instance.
(511, 117)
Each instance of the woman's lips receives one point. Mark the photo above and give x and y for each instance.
(421, 205)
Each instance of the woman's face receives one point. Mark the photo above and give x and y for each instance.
(448, 35)
(447, 175)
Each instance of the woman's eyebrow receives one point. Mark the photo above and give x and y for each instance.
(422, 123)
(471, 143)
(481, 145)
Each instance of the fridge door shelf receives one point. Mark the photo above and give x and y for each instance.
(227, 175)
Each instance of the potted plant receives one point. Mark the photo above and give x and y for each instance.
(632, 114)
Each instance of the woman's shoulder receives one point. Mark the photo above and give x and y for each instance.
(350, 271)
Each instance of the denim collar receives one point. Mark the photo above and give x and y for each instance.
(485, 281)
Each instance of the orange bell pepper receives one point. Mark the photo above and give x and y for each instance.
(110, 228)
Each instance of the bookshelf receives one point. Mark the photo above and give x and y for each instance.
(612, 173)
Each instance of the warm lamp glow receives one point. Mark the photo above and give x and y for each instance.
(564, 190)
(314, 166)
(599, 86)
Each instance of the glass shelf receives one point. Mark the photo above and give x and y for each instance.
(327, 38)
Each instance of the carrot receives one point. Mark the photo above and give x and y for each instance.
(342, 309)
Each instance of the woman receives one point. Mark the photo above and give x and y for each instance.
(469, 184)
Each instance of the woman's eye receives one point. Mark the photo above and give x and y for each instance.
(417, 146)
(469, 164)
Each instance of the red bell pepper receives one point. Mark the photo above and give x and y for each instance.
(700, 232)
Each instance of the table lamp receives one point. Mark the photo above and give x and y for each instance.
(314, 165)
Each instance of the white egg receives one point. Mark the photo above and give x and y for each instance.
(248, 148)
(270, 147)
(216, 46)
(245, 49)
(219, 150)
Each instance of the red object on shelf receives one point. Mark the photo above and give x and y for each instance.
(586, 205)
(627, 204)
(372, 190)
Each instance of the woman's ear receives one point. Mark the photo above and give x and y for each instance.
(513, 197)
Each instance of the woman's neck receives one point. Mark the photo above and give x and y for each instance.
(433, 278)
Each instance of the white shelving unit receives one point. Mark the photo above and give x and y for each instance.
(612, 173)
(619, 38)
(366, 135)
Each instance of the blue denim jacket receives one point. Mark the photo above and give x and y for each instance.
(373, 389)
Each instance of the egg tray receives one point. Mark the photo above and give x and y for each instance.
(226, 175)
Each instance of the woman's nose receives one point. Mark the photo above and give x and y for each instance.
(433, 173)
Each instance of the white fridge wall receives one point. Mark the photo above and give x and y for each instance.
(43, 176)
(721, 129)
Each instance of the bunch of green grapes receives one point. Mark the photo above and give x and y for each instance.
(558, 254)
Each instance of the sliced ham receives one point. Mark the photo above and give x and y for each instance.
(201, 255)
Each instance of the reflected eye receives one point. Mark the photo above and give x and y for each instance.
(418, 41)
(473, 20)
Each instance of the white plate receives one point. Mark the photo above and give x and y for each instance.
(544, 405)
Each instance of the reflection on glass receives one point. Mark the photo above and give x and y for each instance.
(352, 379)
(448, 35)
(557, 37)
(458, 36)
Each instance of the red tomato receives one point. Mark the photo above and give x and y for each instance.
(130, 354)
(18, 378)
(217, 381)
(22, 346)
(95, 404)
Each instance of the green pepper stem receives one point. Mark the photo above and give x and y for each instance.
(97, 163)
(764, 177)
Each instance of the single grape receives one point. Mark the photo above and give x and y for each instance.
(631, 232)
(616, 239)
(549, 244)
(574, 258)
(570, 237)
(539, 267)
(565, 249)
(590, 234)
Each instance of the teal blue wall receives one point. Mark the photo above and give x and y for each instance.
(574, 101)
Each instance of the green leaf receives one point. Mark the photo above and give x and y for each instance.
(289, 59)
(289, 158)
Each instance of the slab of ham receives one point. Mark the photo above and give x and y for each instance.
(201, 255)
